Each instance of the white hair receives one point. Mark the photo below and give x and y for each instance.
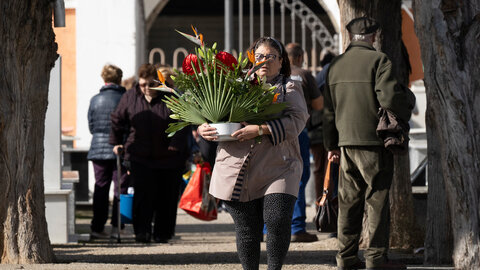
(359, 37)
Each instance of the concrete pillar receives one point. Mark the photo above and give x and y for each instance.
(58, 201)
(228, 25)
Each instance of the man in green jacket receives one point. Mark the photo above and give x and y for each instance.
(359, 82)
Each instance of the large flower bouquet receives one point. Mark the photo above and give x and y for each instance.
(215, 87)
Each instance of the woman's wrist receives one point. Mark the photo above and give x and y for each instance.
(260, 130)
(264, 128)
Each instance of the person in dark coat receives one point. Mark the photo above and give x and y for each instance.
(359, 83)
(154, 160)
(315, 131)
(314, 101)
(101, 154)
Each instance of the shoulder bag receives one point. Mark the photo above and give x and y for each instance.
(327, 213)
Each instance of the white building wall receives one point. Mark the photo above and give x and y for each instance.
(105, 34)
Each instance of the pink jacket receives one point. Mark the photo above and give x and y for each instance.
(247, 170)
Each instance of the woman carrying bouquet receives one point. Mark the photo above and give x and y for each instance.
(258, 175)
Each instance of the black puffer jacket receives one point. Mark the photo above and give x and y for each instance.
(101, 106)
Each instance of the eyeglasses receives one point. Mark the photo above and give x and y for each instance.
(260, 57)
(152, 84)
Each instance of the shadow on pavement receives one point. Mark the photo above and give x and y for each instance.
(169, 259)
(205, 228)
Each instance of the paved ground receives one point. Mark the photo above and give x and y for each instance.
(197, 245)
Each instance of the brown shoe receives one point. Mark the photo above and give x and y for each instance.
(356, 266)
(304, 237)
(388, 265)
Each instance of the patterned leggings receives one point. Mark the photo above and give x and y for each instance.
(276, 211)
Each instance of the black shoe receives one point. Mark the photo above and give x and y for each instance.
(142, 238)
(358, 265)
(158, 239)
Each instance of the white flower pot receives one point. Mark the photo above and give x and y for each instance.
(225, 130)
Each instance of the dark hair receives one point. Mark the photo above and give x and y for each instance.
(277, 45)
(129, 83)
(294, 50)
(326, 56)
(147, 71)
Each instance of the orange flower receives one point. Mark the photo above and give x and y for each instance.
(275, 97)
(160, 77)
(197, 35)
(251, 56)
(194, 30)
(261, 62)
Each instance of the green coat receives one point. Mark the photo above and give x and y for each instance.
(358, 83)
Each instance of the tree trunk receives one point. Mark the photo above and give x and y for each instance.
(388, 14)
(27, 54)
(449, 33)
(438, 238)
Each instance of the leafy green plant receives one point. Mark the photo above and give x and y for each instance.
(215, 87)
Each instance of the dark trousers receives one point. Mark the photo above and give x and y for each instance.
(106, 171)
(276, 210)
(156, 198)
(365, 178)
(320, 164)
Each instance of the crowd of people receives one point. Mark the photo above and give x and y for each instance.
(331, 117)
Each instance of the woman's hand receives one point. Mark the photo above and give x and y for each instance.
(246, 133)
(207, 132)
(116, 147)
(172, 148)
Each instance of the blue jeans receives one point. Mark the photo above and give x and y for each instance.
(299, 214)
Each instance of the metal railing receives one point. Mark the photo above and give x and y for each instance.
(296, 10)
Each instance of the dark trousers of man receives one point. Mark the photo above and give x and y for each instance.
(156, 194)
(320, 161)
(105, 172)
(365, 179)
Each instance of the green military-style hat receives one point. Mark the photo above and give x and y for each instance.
(362, 26)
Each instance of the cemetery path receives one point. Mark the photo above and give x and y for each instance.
(197, 245)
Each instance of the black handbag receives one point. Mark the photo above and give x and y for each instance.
(327, 213)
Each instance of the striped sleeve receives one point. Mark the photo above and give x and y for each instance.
(278, 131)
(293, 118)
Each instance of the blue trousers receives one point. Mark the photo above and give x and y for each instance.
(299, 214)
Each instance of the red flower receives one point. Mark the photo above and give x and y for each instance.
(187, 66)
(227, 59)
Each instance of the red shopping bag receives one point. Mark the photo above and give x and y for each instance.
(196, 200)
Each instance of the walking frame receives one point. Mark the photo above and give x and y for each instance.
(119, 189)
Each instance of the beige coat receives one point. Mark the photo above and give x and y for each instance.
(247, 170)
